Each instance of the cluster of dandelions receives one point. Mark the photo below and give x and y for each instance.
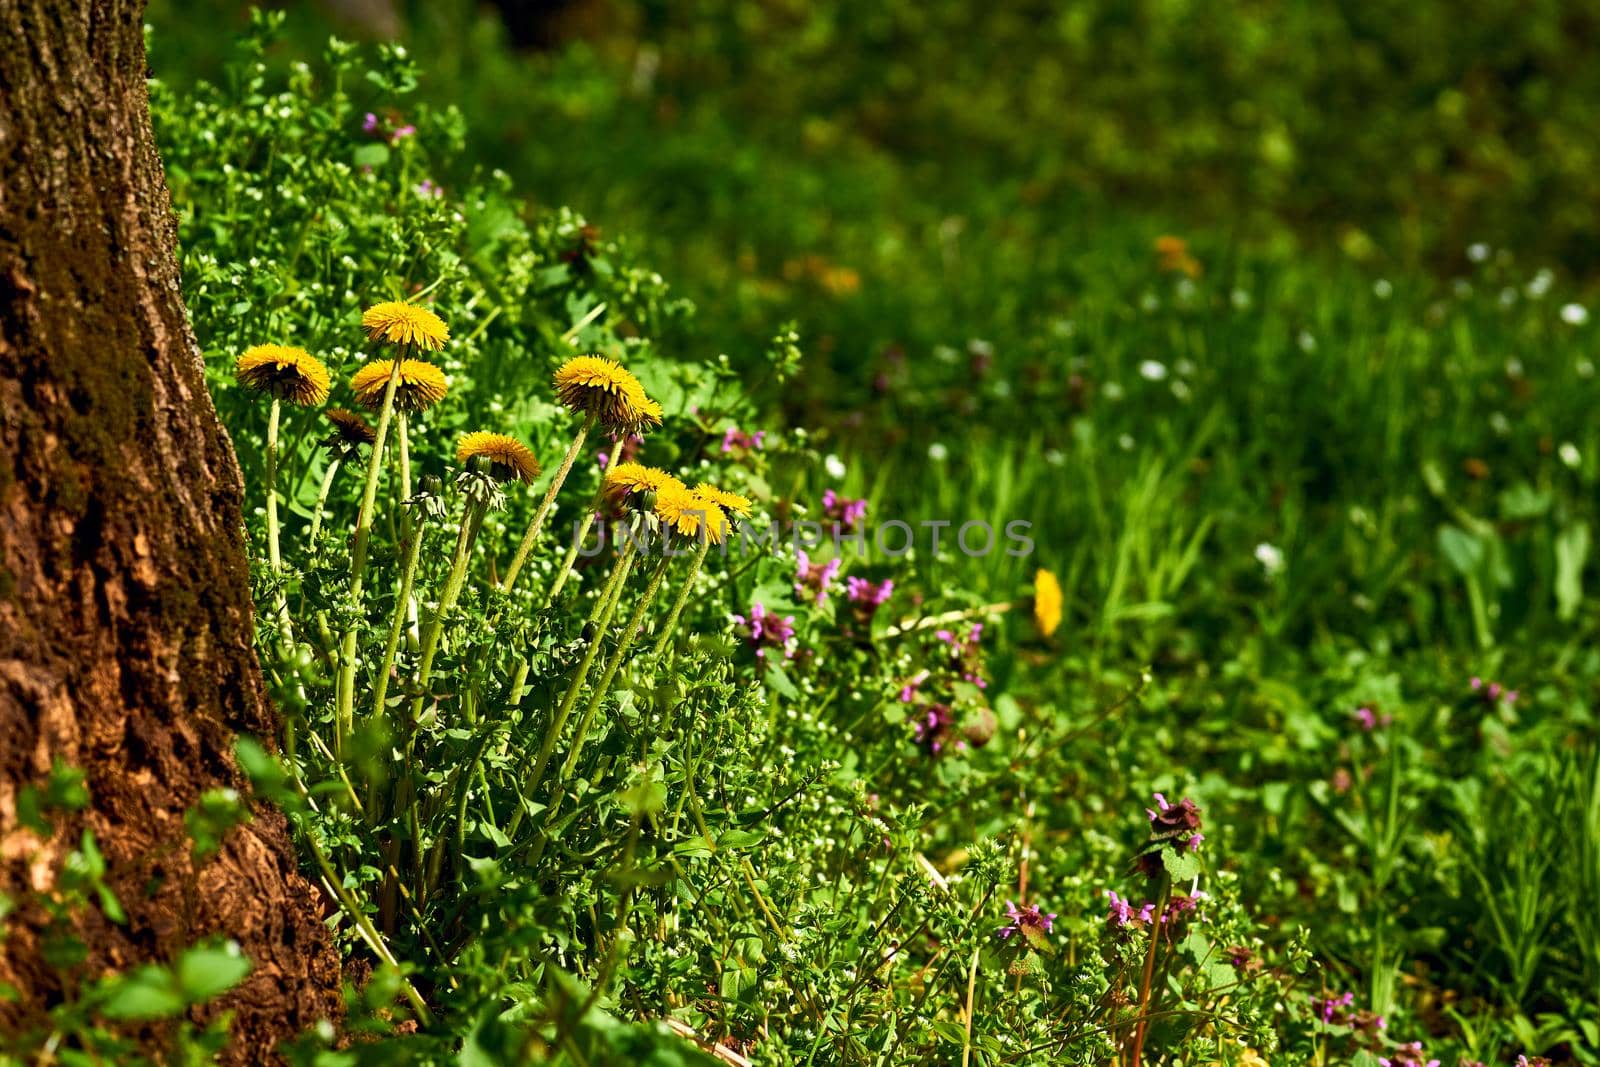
(394, 390)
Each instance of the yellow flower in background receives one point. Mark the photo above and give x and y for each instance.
(397, 323)
(1173, 255)
(725, 500)
(284, 373)
(689, 513)
(627, 478)
(603, 388)
(349, 428)
(1046, 602)
(421, 384)
(508, 457)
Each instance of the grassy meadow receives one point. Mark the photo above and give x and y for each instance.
(1272, 336)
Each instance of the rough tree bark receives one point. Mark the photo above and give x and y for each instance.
(125, 615)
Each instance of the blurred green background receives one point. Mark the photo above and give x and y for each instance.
(770, 146)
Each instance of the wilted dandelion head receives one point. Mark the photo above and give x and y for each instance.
(1046, 602)
(594, 385)
(508, 458)
(349, 428)
(625, 479)
(397, 323)
(420, 386)
(284, 373)
(725, 500)
(690, 514)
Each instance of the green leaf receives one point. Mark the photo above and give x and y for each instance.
(207, 971)
(1464, 552)
(148, 993)
(372, 155)
(1181, 866)
(1572, 551)
(741, 838)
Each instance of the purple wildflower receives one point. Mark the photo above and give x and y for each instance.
(733, 438)
(845, 513)
(1027, 920)
(401, 133)
(908, 692)
(369, 124)
(765, 630)
(1494, 692)
(1172, 820)
(1121, 914)
(933, 729)
(1407, 1055)
(1370, 719)
(1332, 1009)
(428, 189)
(814, 579)
(867, 595)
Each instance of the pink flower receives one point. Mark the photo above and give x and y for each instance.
(1121, 914)
(1027, 917)
(765, 630)
(846, 513)
(814, 579)
(868, 595)
(733, 438)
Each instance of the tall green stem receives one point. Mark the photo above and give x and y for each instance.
(272, 486)
(577, 541)
(471, 521)
(397, 626)
(678, 603)
(322, 499)
(558, 720)
(545, 505)
(629, 632)
(358, 560)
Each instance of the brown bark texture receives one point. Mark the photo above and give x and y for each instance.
(125, 614)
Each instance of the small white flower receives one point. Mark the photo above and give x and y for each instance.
(1383, 289)
(1152, 371)
(1540, 284)
(1569, 454)
(1126, 441)
(1270, 557)
(1574, 314)
(1478, 253)
(834, 466)
(938, 452)
(1307, 342)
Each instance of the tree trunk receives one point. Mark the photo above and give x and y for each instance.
(125, 614)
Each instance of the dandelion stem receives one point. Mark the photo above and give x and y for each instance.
(280, 596)
(358, 562)
(678, 603)
(322, 499)
(558, 720)
(408, 578)
(545, 505)
(577, 540)
(629, 632)
(471, 521)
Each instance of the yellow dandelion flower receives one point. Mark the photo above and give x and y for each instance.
(349, 428)
(594, 385)
(508, 457)
(405, 324)
(626, 478)
(725, 500)
(688, 513)
(1046, 602)
(421, 384)
(646, 417)
(291, 374)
